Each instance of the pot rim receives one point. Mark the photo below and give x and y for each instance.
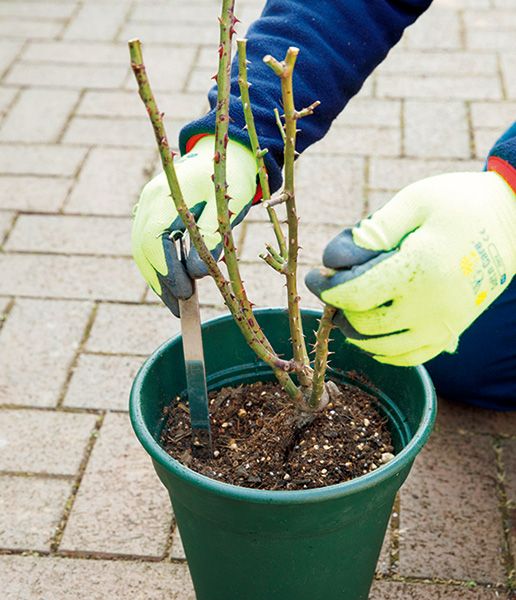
(391, 469)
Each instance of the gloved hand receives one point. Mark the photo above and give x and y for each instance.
(414, 275)
(155, 217)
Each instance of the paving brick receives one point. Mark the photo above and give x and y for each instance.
(42, 194)
(7, 96)
(43, 10)
(4, 303)
(312, 239)
(128, 104)
(359, 141)
(393, 174)
(30, 510)
(265, 287)
(490, 40)
(370, 112)
(24, 159)
(443, 62)
(36, 441)
(110, 181)
(6, 220)
(136, 133)
(484, 140)
(464, 88)
(9, 49)
(76, 52)
(144, 329)
(37, 344)
(177, 552)
(487, 20)
(489, 114)
(337, 197)
(168, 67)
(76, 277)
(71, 235)
(435, 29)
(508, 64)
(455, 417)
(67, 76)
(427, 129)
(200, 79)
(42, 578)
(509, 463)
(376, 199)
(102, 382)
(448, 503)
(169, 33)
(121, 507)
(390, 590)
(36, 29)
(96, 22)
(164, 12)
(38, 115)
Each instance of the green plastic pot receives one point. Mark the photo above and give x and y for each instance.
(245, 544)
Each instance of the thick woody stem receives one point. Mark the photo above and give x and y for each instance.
(245, 322)
(321, 356)
(284, 70)
(244, 85)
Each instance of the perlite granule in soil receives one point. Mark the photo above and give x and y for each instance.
(258, 443)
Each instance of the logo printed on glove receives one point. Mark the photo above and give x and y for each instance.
(484, 267)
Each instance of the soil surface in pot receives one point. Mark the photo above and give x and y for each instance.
(259, 442)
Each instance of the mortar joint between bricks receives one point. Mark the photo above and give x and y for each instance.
(507, 551)
(61, 526)
(80, 348)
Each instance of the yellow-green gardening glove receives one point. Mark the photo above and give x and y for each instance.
(414, 275)
(156, 218)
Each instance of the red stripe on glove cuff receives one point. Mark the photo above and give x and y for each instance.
(504, 169)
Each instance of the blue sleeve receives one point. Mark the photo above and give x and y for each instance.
(502, 157)
(340, 42)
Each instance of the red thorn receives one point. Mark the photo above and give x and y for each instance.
(216, 158)
(226, 140)
(213, 177)
(232, 30)
(215, 78)
(235, 20)
(221, 50)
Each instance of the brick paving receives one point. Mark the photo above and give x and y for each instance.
(82, 514)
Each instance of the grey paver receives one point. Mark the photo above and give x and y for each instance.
(448, 503)
(36, 29)
(388, 590)
(338, 196)
(163, 33)
(177, 551)
(106, 18)
(43, 441)
(42, 194)
(361, 141)
(370, 112)
(427, 129)
(489, 114)
(99, 53)
(38, 115)
(6, 220)
(42, 578)
(484, 140)
(508, 64)
(110, 181)
(30, 510)
(121, 506)
(128, 104)
(67, 76)
(71, 235)
(144, 329)
(9, 49)
(467, 87)
(75, 277)
(435, 29)
(393, 174)
(493, 39)
(25, 159)
(458, 417)
(442, 62)
(46, 10)
(134, 133)
(37, 344)
(6, 99)
(102, 382)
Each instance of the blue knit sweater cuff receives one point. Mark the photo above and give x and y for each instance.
(502, 158)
